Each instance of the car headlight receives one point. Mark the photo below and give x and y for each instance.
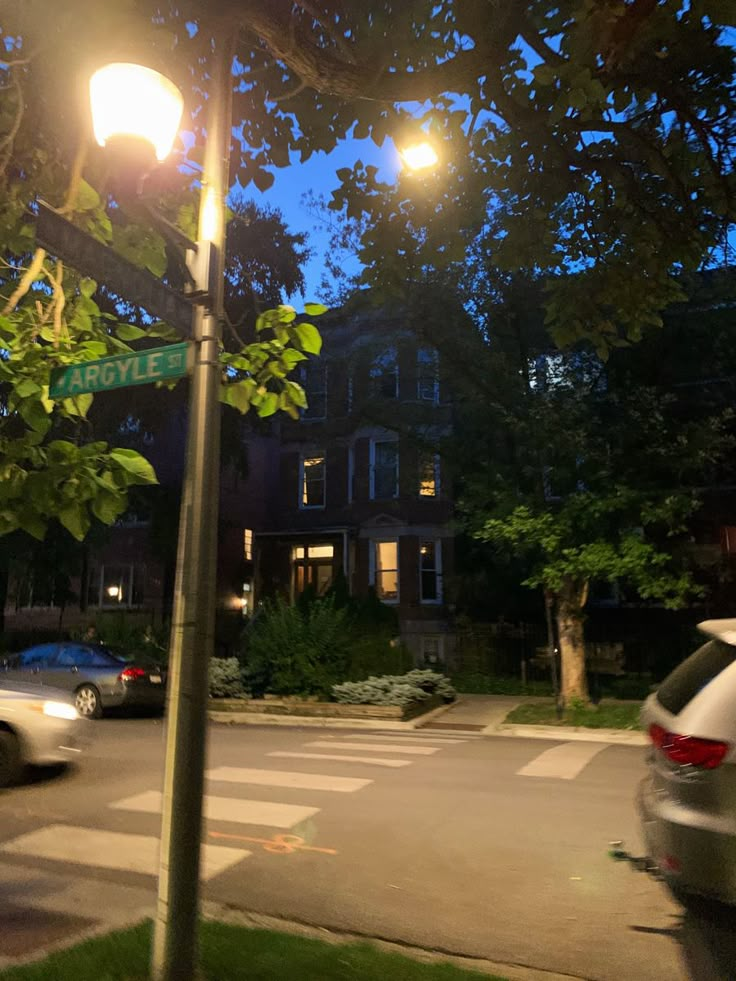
(60, 710)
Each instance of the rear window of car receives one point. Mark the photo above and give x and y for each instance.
(694, 674)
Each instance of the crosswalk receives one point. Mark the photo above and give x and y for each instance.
(123, 851)
(272, 825)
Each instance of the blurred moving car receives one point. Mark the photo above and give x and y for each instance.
(687, 802)
(96, 677)
(38, 725)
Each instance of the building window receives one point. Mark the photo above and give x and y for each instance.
(248, 544)
(312, 481)
(351, 473)
(116, 586)
(432, 649)
(429, 475)
(385, 374)
(385, 570)
(314, 380)
(428, 378)
(312, 565)
(384, 469)
(430, 572)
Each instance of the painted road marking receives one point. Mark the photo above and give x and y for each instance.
(412, 740)
(375, 747)
(111, 850)
(279, 844)
(231, 809)
(285, 778)
(562, 762)
(373, 760)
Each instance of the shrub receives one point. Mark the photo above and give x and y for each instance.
(393, 689)
(225, 678)
(297, 649)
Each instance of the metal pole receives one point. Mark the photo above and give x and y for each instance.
(175, 942)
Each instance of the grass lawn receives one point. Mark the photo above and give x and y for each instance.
(604, 716)
(232, 953)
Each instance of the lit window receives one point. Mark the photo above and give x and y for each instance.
(312, 566)
(248, 544)
(312, 481)
(314, 380)
(385, 374)
(430, 572)
(384, 469)
(117, 586)
(428, 381)
(386, 570)
(429, 475)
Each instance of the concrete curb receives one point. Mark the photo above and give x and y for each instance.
(622, 737)
(512, 972)
(323, 722)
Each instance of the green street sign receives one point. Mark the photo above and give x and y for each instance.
(120, 371)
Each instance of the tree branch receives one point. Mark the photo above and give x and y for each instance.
(28, 278)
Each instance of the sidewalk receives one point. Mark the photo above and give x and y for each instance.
(485, 714)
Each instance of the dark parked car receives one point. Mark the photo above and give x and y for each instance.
(97, 677)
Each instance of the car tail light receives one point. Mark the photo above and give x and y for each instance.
(688, 750)
(132, 674)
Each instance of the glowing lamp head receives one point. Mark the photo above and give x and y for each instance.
(131, 101)
(113, 591)
(419, 156)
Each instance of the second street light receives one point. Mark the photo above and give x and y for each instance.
(122, 97)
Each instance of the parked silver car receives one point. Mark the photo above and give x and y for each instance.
(93, 674)
(688, 800)
(38, 725)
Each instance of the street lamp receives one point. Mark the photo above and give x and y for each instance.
(419, 156)
(132, 104)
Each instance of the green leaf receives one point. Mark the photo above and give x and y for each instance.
(87, 287)
(87, 197)
(33, 413)
(238, 395)
(138, 469)
(75, 519)
(78, 405)
(309, 338)
(129, 332)
(263, 179)
(314, 309)
(32, 523)
(27, 388)
(107, 506)
(577, 99)
(268, 404)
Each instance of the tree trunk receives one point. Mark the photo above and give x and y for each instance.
(570, 602)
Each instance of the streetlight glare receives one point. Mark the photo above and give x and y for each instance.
(419, 156)
(131, 100)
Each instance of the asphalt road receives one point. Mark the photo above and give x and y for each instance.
(489, 847)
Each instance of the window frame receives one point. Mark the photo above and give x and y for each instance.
(372, 461)
(423, 376)
(382, 366)
(373, 568)
(308, 414)
(303, 457)
(437, 570)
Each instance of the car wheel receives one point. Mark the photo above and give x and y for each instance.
(87, 700)
(11, 763)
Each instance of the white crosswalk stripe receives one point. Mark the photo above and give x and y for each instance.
(410, 740)
(287, 778)
(232, 809)
(562, 762)
(373, 760)
(375, 747)
(116, 850)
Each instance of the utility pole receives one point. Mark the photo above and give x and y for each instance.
(175, 944)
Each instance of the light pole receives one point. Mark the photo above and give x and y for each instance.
(175, 945)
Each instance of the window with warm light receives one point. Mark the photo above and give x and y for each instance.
(248, 544)
(429, 475)
(312, 480)
(384, 482)
(385, 570)
(312, 566)
(430, 571)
